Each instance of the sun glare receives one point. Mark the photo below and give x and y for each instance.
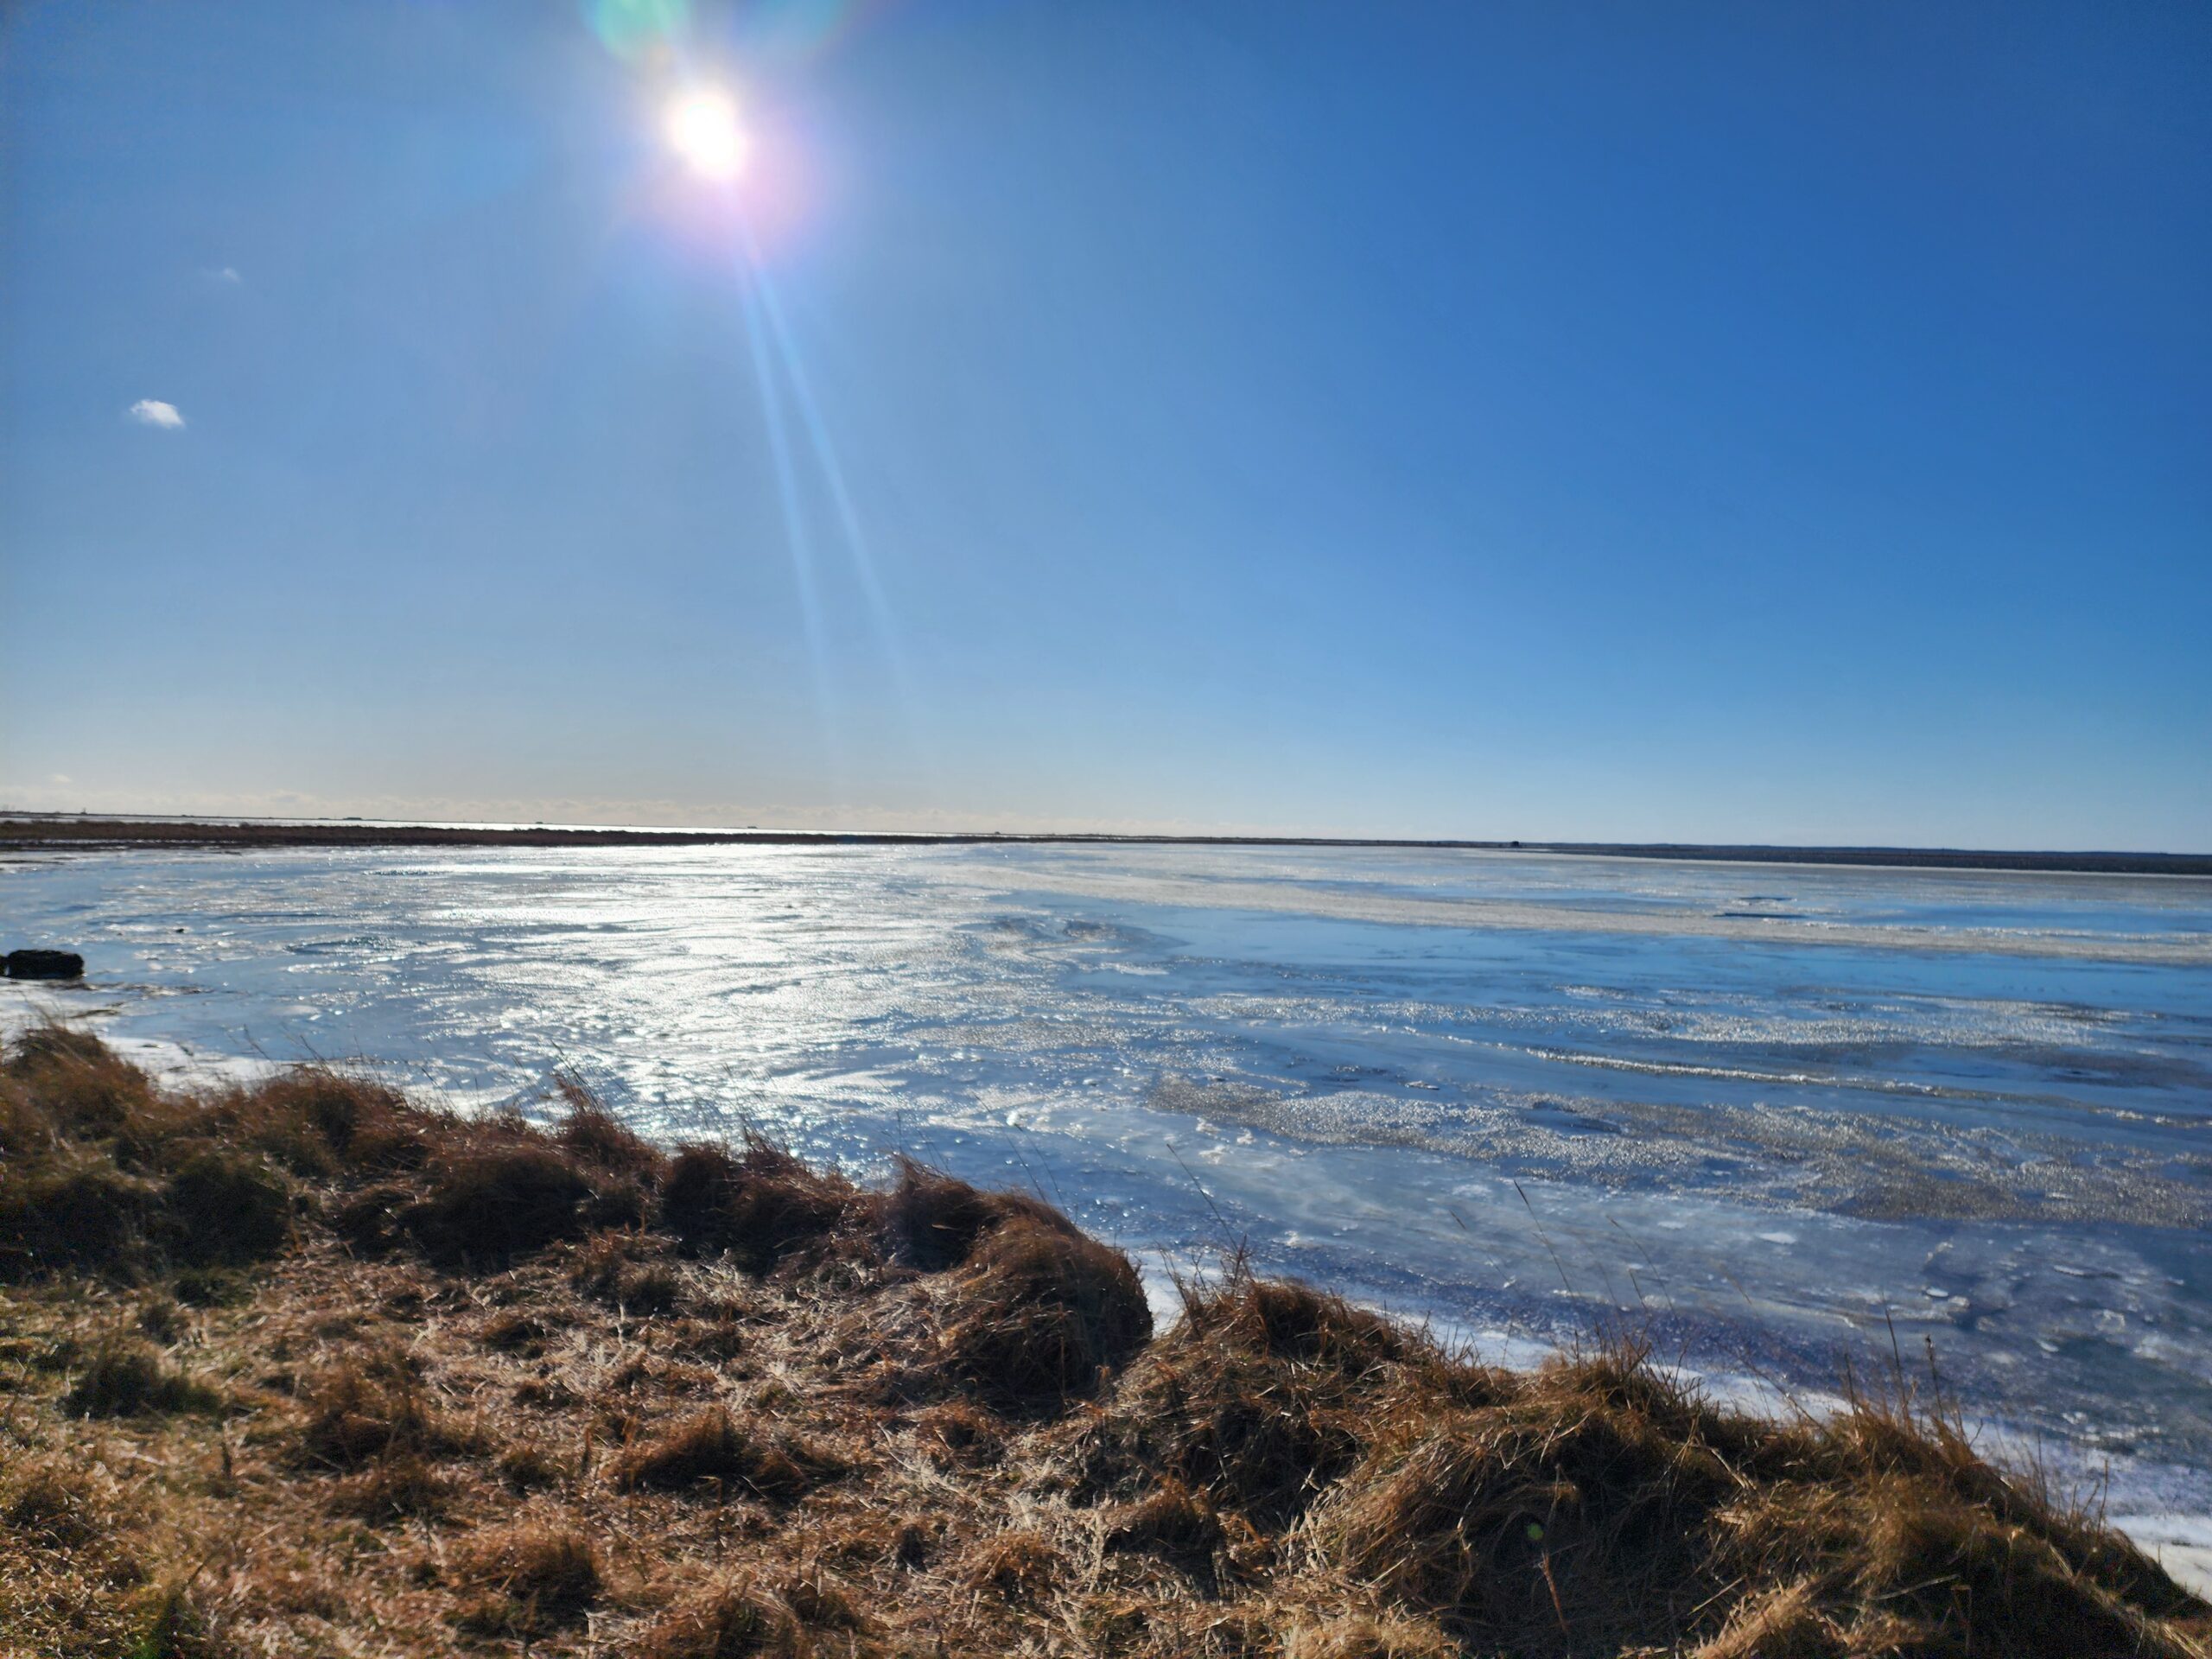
(703, 129)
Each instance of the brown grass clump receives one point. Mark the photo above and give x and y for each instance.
(822, 1602)
(319, 1121)
(525, 1467)
(605, 1268)
(84, 1089)
(371, 1407)
(759, 1204)
(393, 1489)
(1291, 1321)
(1362, 1638)
(495, 1195)
(1020, 1565)
(74, 1209)
(100, 1171)
(1901, 1562)
(529, 1577)
(50, 1502)
(1783, 1624)
(1533, 1529)
(176, 1624)
(162, 1317)
(1173, 1523)
(76, 1120)
(734, 1620)
(513, 1331)
(712, 1450)
(1989, 1572)
(1599, 1507)
(124, 1377)
(1039, 1313)
(470, 1404)
(1258, 1398)
(224, 1207)
(469, 1193)
(959, 1433)
(881, 1538)
(372, 1219)
(595, 1136)
(718, 1334)
(1005, 1300)
(931, 1220)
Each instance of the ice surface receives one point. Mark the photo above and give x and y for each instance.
(1773, 1112)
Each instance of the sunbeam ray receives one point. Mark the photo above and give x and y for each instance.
(801, 547)
(833, 473)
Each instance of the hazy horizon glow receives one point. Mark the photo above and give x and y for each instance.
(1577, 422)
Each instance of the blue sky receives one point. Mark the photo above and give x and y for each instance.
(1776, 422)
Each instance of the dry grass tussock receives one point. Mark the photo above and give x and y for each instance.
(307, 1369)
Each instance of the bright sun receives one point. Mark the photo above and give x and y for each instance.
(703, 127)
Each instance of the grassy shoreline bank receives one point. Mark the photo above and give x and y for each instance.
(304, 1367)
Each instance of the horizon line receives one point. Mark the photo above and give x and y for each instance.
(20, 826)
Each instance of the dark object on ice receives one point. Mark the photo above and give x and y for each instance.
(45, 964)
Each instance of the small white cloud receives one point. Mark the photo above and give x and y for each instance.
(152, 412)
(227, 275)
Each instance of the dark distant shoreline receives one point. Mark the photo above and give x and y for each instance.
(27, 829)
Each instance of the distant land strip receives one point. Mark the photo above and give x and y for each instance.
(28, 830)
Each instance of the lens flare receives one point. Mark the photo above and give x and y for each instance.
(638, 28)
(703, 129)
